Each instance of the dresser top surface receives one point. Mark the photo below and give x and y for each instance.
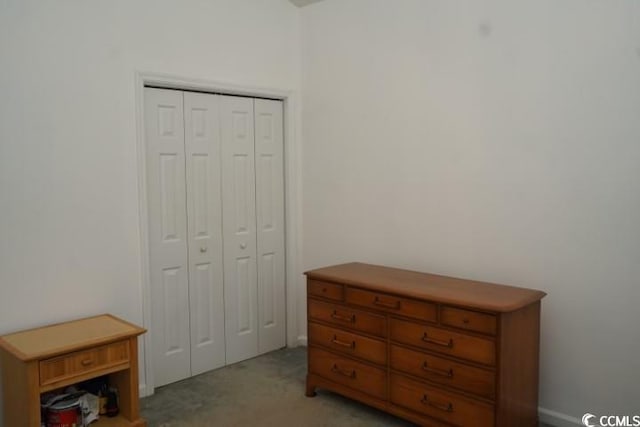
(48, 341)
(450, 290)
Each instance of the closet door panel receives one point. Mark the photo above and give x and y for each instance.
(269, 151)
(165, 166)
(239, 227)
(204, 213)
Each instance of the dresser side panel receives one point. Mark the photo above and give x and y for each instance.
(518, 369)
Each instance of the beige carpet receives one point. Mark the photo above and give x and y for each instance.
(265, 391)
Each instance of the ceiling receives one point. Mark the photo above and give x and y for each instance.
(302, 3)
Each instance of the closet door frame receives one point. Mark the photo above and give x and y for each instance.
(294, 280)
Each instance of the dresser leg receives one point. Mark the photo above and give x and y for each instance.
(311, 389)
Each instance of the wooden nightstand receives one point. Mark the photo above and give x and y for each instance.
(43, 359)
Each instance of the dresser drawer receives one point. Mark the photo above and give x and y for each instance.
(444, 341)
(349, 343)
(350, 373)
(443, 371)
(332, 291)
(346, 317)
(445, 406)
(78, 363)
(402, 306)
(470, 320)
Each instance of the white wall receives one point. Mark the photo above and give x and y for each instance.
(496, 140)
(68, 180)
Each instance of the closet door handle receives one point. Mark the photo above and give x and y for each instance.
(243, 245)
(203, 249)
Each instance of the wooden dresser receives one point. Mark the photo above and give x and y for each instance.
(52, 357)
(435, 350)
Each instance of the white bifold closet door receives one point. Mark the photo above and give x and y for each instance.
(269, 152)
(215, 190)
(204, 226)
(253, 212)
(169, 271)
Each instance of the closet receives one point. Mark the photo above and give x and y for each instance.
(215, 194)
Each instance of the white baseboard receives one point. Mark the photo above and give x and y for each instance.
(302, 340)
(557, 419)
(143, 391)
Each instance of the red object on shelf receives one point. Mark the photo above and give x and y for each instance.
(64, 414)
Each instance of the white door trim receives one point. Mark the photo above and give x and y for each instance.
(293, 197)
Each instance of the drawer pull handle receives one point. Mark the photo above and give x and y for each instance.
(351, 374)
(87, 362)
(448, 344)
(393, 305)
(343, 318)
(441, 372)
(351, 345)
(446, 408)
